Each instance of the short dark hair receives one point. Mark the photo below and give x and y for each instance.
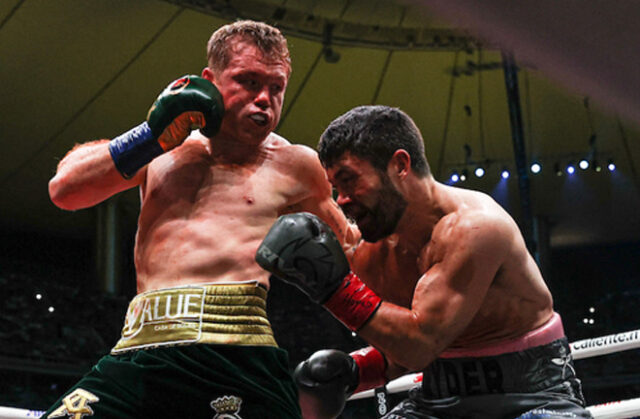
(373, 133)
(269, 40)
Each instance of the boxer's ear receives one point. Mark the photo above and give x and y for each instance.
(207, 73)
(400, 164)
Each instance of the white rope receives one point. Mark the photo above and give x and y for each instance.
(611, 410)
(398, 385)
(616, 410)
(13, 413)
(603, 345)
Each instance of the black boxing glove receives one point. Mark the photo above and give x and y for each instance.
(327, 379)
(187, 103)
(302, 250)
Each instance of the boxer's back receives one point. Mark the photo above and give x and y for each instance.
(202, 218)
(518, 300)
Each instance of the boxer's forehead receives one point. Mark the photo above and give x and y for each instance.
(242, 49)
(248, 57)
(349, 164)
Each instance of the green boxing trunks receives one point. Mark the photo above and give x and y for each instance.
(189, 352)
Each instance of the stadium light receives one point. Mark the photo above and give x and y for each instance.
(536, 168)
(583, 164)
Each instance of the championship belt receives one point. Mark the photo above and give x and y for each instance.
(211, 314)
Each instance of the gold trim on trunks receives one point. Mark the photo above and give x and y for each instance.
(230, 314)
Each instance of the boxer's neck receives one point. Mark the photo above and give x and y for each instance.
(422, 214)
(230, 151)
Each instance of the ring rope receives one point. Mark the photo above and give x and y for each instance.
(603, 345)
(616, 410)
(611, 410)
(14, 413)
(586, 348)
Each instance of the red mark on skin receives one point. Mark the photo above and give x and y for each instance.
(248, 199)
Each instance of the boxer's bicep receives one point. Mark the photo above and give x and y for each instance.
(87, 176)
(453, 289)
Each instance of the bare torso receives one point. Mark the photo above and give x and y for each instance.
(202, 218)
(516, 301)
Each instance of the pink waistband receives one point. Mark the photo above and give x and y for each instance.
(547, 333)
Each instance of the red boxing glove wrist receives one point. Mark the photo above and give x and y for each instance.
(353, 303)
(371, 368)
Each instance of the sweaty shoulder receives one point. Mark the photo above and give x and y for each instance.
(301, 160)
(301, 170)
(297, 154)
(475, 225)
(277, 141)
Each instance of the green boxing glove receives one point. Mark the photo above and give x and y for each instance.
(188, 103)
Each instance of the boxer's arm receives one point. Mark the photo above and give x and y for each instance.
(87, 176)
(93, 172)
(317, 198)
(447, 297)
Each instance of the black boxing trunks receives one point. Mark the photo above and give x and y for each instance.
(534, 379)
(189, 352)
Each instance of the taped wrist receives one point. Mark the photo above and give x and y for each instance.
(134, 149)
(353, 303)
(372, 366)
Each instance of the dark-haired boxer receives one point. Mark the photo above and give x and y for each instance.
(213, 178)
(442, 283)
